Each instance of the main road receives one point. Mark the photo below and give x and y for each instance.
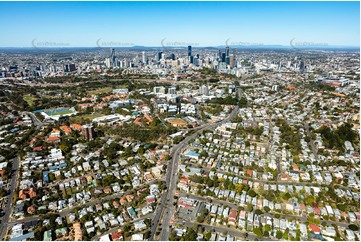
(166, 207)
(10, 197)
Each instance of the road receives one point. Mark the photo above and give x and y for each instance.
(165, 209)
(313, 147)
(10, 197)
(68, 210)
(37, 123)
(235, 206)
(225, 230)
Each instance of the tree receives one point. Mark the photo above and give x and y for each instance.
(208, 235)
(249, 207)
(266, 209)
(252, 193)
(258, 232)
(279, 234)
(191, 235)
(353, 227)
(267, 227)
(258, 212)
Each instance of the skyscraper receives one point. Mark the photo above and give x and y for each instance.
(190, 59)
(302, 66)
(189, 51)
(143, 57)
(227, 51)
(159, 56)
(112, 57)
(223, 57)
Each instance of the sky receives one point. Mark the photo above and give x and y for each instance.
(92, 24)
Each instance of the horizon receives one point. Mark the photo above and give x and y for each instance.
(179, 24)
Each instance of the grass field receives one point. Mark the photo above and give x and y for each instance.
(100, 90)
(61, 112)
(29, 99)
(78, 119)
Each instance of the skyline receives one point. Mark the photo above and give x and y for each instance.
(154, 24)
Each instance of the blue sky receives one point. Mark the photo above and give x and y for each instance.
(85, 24)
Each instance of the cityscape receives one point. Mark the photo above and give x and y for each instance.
(162, 129)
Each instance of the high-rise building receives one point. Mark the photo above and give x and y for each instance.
(172, 90)
(203, 90)
(189, 51)
(190, 59)
(231, 61)
(88, 132)
(143, 57)
(302, 66)
(69, 68)
(223, 57)
(195, 61)
(159, 55)
(112, 57)
(108, 62)
(159, 90)
(227, 60)
(227, 51)
(172, 56)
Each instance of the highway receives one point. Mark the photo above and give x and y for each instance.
(10, 197)
(165, 209)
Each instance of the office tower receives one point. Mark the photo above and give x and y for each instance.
(163, 56)
(195, 61)
(159, 56)
(227, 51)
(143, 57)
(203, 90)
(219, 54)
(190, 59)
(172, 90)
(227, 60)
(88, 132)
(223, 57)
(189, 51)
(172, 56)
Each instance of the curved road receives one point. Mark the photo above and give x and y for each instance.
(165, 209)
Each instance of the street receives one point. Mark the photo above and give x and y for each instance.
(10, 197)
(166, 207)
